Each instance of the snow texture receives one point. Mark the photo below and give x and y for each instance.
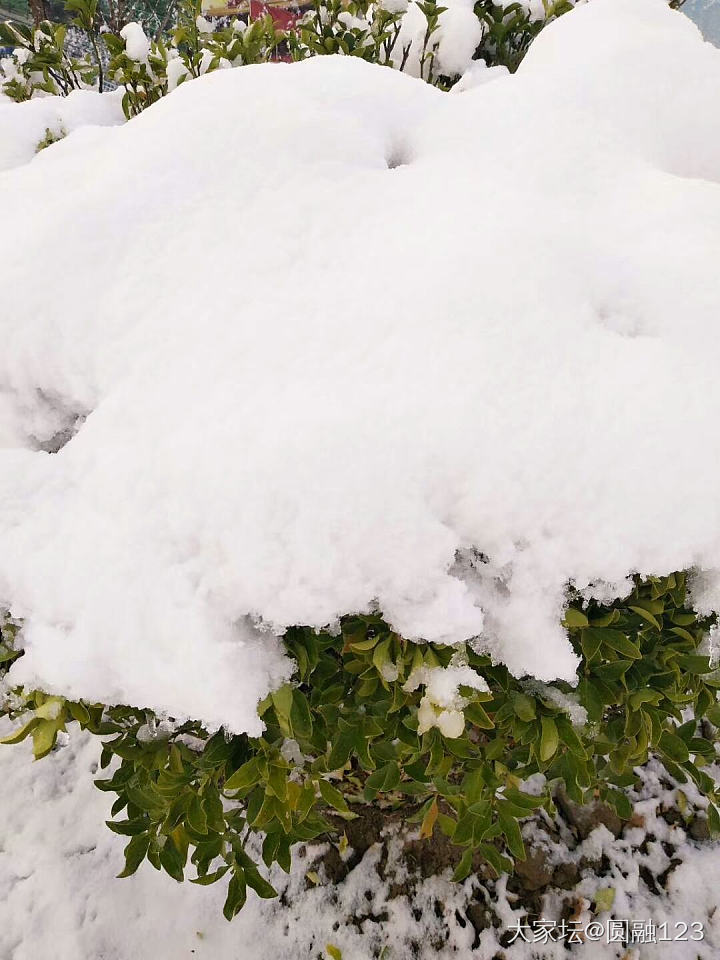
(318, 338)
(24, 125)
(452, 45)
(137, 44)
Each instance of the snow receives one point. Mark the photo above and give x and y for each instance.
(137, 44)
(460, 33)
(24, 125)
(478, 73)
(323, 338)
(453, 42)
(394, 6)
(175, 71)
(442, 704)
(442, 683)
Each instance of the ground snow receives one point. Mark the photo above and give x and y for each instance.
(326, 335)
(59, 898)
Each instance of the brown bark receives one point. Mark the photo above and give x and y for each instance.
(37, 9)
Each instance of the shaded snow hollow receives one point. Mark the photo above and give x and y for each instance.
(332, 331)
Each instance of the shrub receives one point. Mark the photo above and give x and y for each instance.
(443, 733)
(50, 137)
(193, 49)
(42, 62)
(509, 30)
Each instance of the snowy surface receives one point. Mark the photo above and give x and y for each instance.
(324, 335)
(59, 897)
(24, 125)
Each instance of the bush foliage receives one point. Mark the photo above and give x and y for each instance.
(43, 63)
(344, 734)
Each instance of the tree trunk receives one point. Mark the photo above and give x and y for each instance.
(37, 9)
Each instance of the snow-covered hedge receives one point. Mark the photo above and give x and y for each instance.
(435, 354)
(318, 341)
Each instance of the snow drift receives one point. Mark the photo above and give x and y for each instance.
(23, 126)
(323, 338)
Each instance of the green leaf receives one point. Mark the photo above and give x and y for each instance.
(196, 817)
(213, 808)
(23, 732)
(79, 712)
(523, 706)
(673, 747)
(464, 867)
(381, 654)
(713, 714)
(695, 664)
(620, 802)
(341, 750)
(511, 830)
(129, 828)
(244, 778)
(135, 853)
(362, 646)
(282, 701)
(476, 714)
(646, 615)
(300, 716)
(548, 739)
(496, 860)
(236, 895)
(333, 797)
(44, 736)
(569, 737)
(171, 859)
(143, 796)
(464, 829)
(612, 671)
(384, 779)
(525, 800)
(618, 641)
(713, 818)
(282, 854)
(217, 750)
(209, 878)
(575, 618)
(259, 884)
(278, 781)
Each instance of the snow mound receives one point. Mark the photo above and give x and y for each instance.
(24, 125)
(315, 337)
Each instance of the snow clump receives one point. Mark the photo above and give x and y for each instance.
(318, 338)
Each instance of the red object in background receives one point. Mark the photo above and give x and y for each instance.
(285, 17)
